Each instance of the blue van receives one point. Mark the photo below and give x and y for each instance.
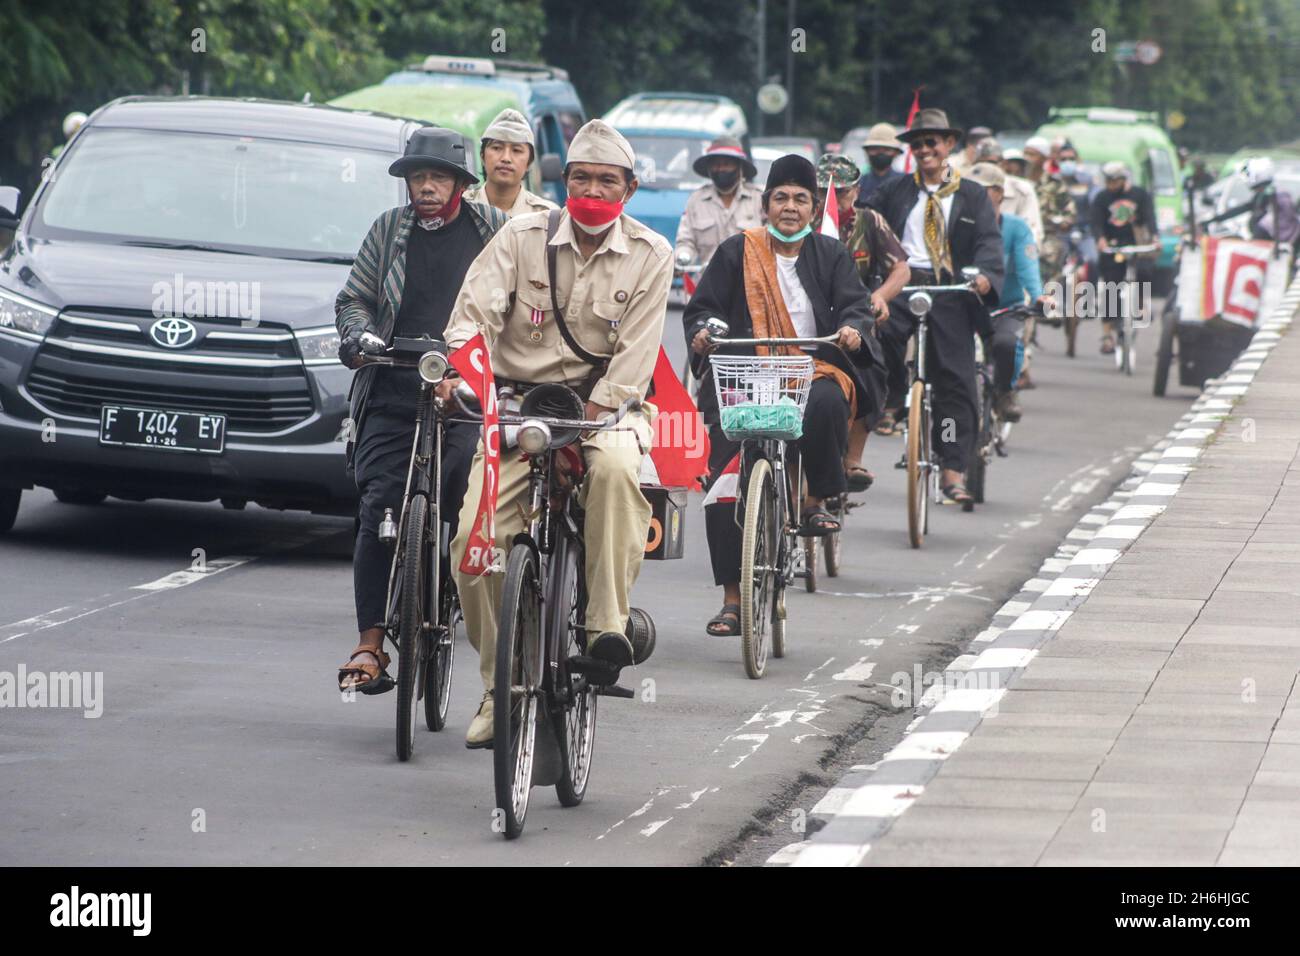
(465, 93)
(668, 132)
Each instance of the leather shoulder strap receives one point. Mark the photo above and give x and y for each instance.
(552, 226)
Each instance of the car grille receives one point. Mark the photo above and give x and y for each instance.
(252, 376)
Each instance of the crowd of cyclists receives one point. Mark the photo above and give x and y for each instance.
(577, 297)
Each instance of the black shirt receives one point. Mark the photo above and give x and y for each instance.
(1115, 214)
(436, 263)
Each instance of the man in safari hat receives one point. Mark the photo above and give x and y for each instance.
(729, 204)
(506, 151)
(882, 148)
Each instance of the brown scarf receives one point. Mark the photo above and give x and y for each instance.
(936, 230)
(770, 316)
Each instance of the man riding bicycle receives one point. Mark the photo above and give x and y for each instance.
(946, 224)
(1122, 215)
(1022, 280)
(577, 297)
(728, 204)
(882, 267)
(784, 281)
(403, 283)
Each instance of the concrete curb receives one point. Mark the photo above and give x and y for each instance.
(864, 804)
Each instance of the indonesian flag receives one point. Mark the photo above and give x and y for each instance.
(688, 283)
(680, 454)
(1233, 277)
(727, 488)
(471, 360)
(911, 118)
(831, 214)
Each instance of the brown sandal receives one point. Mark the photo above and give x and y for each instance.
(376, 678)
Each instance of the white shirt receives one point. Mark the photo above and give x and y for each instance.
(913, 238)
(796, 300)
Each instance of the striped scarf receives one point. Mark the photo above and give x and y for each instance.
(936, 230)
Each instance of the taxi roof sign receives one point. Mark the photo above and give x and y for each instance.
(466, 65)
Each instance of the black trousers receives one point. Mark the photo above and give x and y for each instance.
(949, 367)
(381, 460)
(1008, 351)
(1110, 271)
(822, 449)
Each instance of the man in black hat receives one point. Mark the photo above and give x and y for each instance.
(403, 282)
(945, 223)
(783, 280)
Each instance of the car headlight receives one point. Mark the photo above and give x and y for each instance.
(24, 317)
(319, 346)
(534, 437)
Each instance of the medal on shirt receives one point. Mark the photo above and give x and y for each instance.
(613, 333)
(536, 316)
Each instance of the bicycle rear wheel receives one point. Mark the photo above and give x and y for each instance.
(412, 610)
(839, 507)
(917, 465)
(437, 672)
(758, 571)
(575, 723)
(518, 686)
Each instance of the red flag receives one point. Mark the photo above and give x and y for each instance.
(688, 283)
(471, 360)
(681, 448)
(911, 118)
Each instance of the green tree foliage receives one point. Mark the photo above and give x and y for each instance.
(1230, 67)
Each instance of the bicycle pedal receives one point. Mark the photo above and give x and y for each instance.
(615, 690)
(900, 465)
(598, 672)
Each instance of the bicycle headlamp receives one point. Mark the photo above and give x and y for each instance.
(918, 303)
(433, 367)
(534, 437)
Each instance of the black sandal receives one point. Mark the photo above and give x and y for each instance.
(858, 478)
(817, 523)
(726, 623)
(888, 424)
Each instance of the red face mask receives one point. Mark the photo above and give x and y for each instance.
(594, 214)
(445, 211)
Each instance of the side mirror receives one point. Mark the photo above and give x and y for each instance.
(10, 200)
(551, 167)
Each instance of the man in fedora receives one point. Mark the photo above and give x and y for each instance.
(946, 224)
(726, 206)
(403, 283)
(506, 151)
(882, 148)
(575, 296)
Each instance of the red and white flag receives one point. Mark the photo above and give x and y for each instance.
(911, 118)
(681, 450)
(831, 215)
(471, 360)
(1233, 278)
(727, 488)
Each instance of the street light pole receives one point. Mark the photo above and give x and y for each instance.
(790, 8)
(762, 54)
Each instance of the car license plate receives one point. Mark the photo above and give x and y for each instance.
(158, 428)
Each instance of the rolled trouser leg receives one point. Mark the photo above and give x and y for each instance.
(480, 595)
(617, 521)
(825, 439)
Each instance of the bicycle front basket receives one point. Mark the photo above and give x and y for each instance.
(762, 396)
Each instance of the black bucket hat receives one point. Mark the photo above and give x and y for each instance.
(438, 147)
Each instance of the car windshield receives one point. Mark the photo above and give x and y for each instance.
(238, 194)
(665, 161)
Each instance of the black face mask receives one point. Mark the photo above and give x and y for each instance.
(880, 161)
(725, 181)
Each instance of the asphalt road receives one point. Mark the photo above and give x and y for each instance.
(223, 739)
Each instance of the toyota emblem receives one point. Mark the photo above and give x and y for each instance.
(172, 333)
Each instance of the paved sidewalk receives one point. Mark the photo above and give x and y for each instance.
(1137, 703)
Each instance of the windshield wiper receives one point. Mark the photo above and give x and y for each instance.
(189, 246)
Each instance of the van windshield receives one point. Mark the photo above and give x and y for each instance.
(664, 162)
(1163, 180)
(238, 194)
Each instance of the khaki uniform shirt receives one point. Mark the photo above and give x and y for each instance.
(1020, 199)
(622, 287)
(706, 222)
(525, 202)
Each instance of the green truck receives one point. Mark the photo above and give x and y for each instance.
(1102, 134)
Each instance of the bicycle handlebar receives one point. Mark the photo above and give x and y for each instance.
(1132, 250)
(913, 289)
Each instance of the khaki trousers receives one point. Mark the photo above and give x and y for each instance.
(617, 525)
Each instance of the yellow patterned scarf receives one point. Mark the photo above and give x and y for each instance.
(936, 230)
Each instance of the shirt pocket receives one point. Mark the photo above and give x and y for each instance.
(608, 316)
(531, 304)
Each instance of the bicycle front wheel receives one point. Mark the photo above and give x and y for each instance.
(918, 467)
(413, 607)
(575, 723)
(518, 685)
(758, 570)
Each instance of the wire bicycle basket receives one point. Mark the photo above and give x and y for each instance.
(762, 396)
